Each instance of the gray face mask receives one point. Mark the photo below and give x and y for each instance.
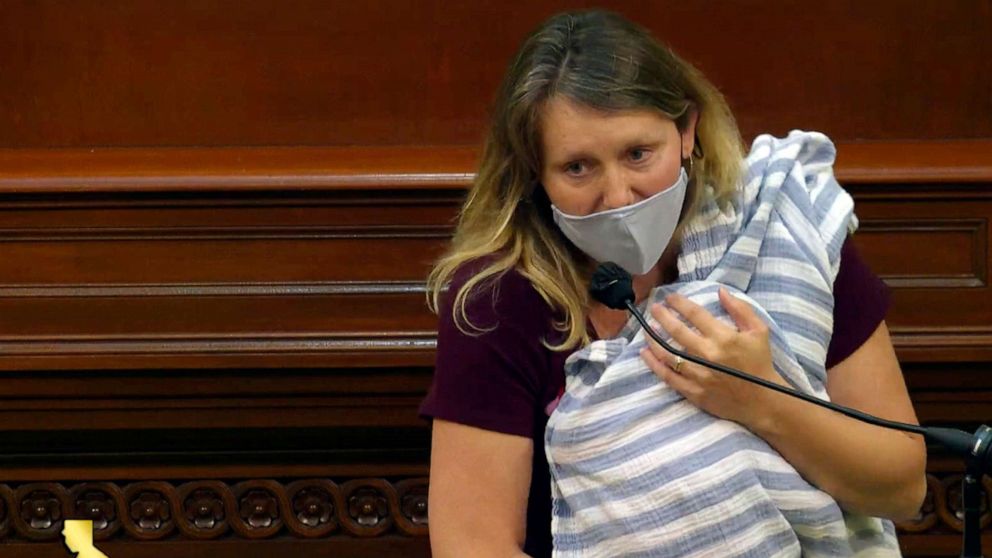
(633, 236)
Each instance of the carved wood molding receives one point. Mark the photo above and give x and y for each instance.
(209, 509)
(942, 511)
(305, 508)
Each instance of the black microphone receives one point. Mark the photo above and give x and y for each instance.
(612, 285)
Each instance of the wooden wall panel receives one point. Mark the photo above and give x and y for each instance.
(931, 245)
(238, 280)
(392, 72)
(942, 253)
(152, 328)
(216, 216)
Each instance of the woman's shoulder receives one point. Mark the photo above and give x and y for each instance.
(505, 299)
(493, 372)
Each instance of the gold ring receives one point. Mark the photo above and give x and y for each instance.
(678, 363)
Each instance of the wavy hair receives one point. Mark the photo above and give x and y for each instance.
(604, 61)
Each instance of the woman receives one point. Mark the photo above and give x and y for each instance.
(595, 118)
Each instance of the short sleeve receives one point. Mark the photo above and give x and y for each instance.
(861, 301)
(494, 379)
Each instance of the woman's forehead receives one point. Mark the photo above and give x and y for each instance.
(569, 127)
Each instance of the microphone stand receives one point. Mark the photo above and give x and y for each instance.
(612, 286)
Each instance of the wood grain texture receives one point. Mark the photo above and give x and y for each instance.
(216, 218)
(390, 72)
(400, 168)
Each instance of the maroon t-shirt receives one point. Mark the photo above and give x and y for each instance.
(504, 379)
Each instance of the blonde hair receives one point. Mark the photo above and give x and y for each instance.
(604, 61)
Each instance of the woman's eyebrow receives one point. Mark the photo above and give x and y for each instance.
(651, 143)
(582, 154)
(573, 156)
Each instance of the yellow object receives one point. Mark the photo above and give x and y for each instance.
(78, 535)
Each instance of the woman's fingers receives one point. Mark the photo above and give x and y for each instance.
(741, 312)
(705, 322)
(678, 382)
(681, 333)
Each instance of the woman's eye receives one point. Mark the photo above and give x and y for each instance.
(637, 155)
(575, 168)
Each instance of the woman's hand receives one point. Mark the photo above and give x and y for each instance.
(745, 348)
(826, 448)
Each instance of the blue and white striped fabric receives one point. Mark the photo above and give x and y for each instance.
(639, 471)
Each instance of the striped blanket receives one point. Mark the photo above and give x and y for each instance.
(639, 471)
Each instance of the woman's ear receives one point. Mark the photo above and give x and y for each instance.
(689, 133)
(539, 198)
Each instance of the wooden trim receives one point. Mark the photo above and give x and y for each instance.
(325, 288)
(366, 349)
(138, 471)
(397, 167)
(915, 161)
(248, 169)
(950, 344)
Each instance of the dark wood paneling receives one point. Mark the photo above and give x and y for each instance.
(182, 299)
(931, 243)
(211, 398)
(192, 291)
(220, 255)
(322, 277)
(239, 279)
(947, 392)
(391, 72)
(946, 253)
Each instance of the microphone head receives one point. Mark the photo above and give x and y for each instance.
(612, 285)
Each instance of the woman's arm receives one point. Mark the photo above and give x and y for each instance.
(479, 484)
(866, 468)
